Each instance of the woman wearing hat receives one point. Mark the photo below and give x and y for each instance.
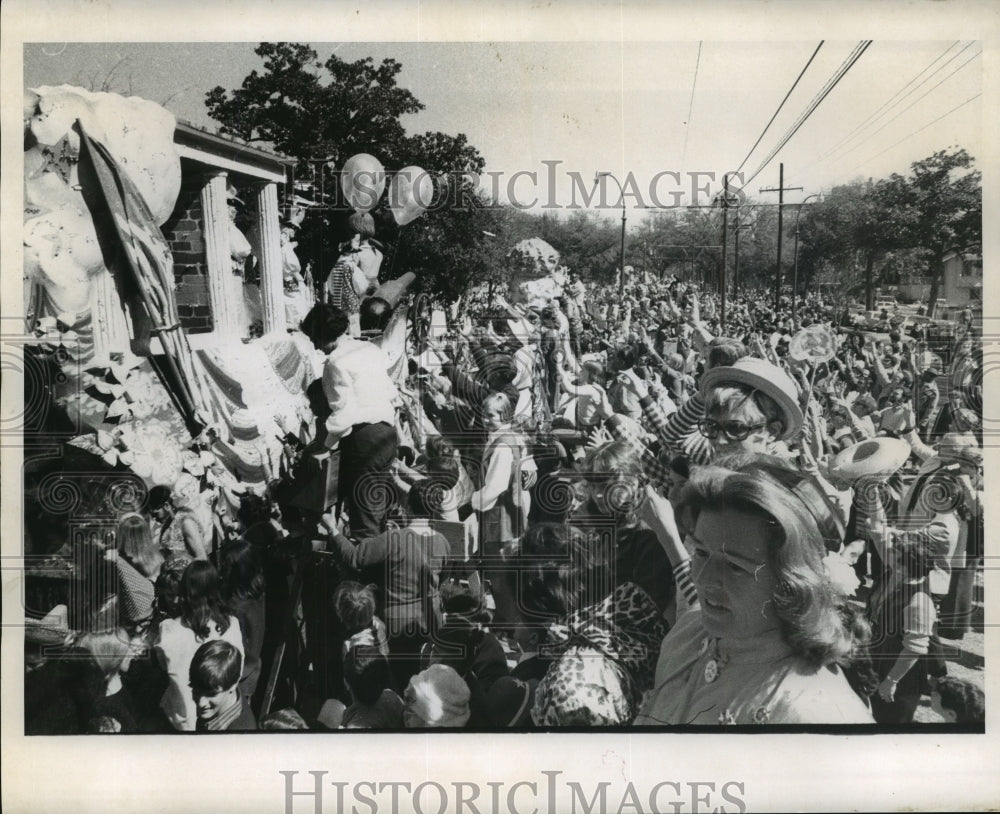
(750, 406)
(771, 637)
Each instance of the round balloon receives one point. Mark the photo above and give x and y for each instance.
(813, 344)
(363, 180)
(410, 194)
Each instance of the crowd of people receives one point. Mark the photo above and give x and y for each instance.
(610, 508)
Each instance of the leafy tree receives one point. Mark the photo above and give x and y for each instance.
(858, 227)
(897, 226)
(324, 112)
(944, 195)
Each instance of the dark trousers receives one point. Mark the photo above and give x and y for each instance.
(365, 483)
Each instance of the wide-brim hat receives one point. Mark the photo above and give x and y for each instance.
(766, 378)
(960, 446)
(876, 457)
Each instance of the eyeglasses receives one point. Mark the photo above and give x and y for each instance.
(733, 430)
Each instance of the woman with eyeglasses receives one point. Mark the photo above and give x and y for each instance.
(750, 406)
(772, 638)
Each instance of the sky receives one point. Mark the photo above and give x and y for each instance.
(622, 107)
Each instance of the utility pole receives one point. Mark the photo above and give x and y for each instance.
(738, 228)
(781, 203)
(722, 272)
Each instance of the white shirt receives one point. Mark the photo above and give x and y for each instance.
(175, 647)
(357, 386)
(500, 475)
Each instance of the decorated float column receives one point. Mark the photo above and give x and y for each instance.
(225, 288)
(272, 288)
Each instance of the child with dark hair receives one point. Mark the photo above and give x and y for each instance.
(242, 580)
(444, 466)
(283, 719)
(958, 701)
(204, 617)
(355, 606)
(167, 599)
(369, 679)
(464, 644)
(215, 685)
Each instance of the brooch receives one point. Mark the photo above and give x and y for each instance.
(711, 671)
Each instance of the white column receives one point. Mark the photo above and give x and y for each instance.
(272, 289)
(224, 287)
(111, 333)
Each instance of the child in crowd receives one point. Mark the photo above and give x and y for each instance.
(283, 719)
(464, 644)
(592, 405)
(204, 617)
(355, 606)
(110, 654)
(958, 701)
(167, 601)
(369, 679)
(241, 573)
(436, 698)
(215, 684)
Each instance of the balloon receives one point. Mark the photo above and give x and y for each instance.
(363, 180)
(814, 344)
(410, 193)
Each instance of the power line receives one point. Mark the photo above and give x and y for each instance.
(776, 112)
(911, 135)
(888, 106)
(889, 103)
(856, 146)
(848, 63)
(687, 122)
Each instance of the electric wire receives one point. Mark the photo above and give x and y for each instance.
(911, 135)
(891, 101)
(908, 107)
(776, 112)
(687, 122)
(848, 63)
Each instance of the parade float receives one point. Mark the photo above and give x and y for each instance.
(159, 279)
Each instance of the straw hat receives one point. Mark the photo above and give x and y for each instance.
(877, 457)
(765, 377)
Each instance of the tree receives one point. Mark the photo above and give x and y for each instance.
(321, 113)
(858, 227)
(944, 195)
(896, 226)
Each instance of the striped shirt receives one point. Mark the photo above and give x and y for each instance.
(682, 576)
(340, 288)
(678, 432)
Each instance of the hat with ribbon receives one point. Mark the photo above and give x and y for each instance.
(764, 377)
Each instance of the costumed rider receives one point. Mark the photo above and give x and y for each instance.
(355, 275)
(362, 400)
(298, 294)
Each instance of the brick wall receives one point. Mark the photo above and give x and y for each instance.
(183, 232)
